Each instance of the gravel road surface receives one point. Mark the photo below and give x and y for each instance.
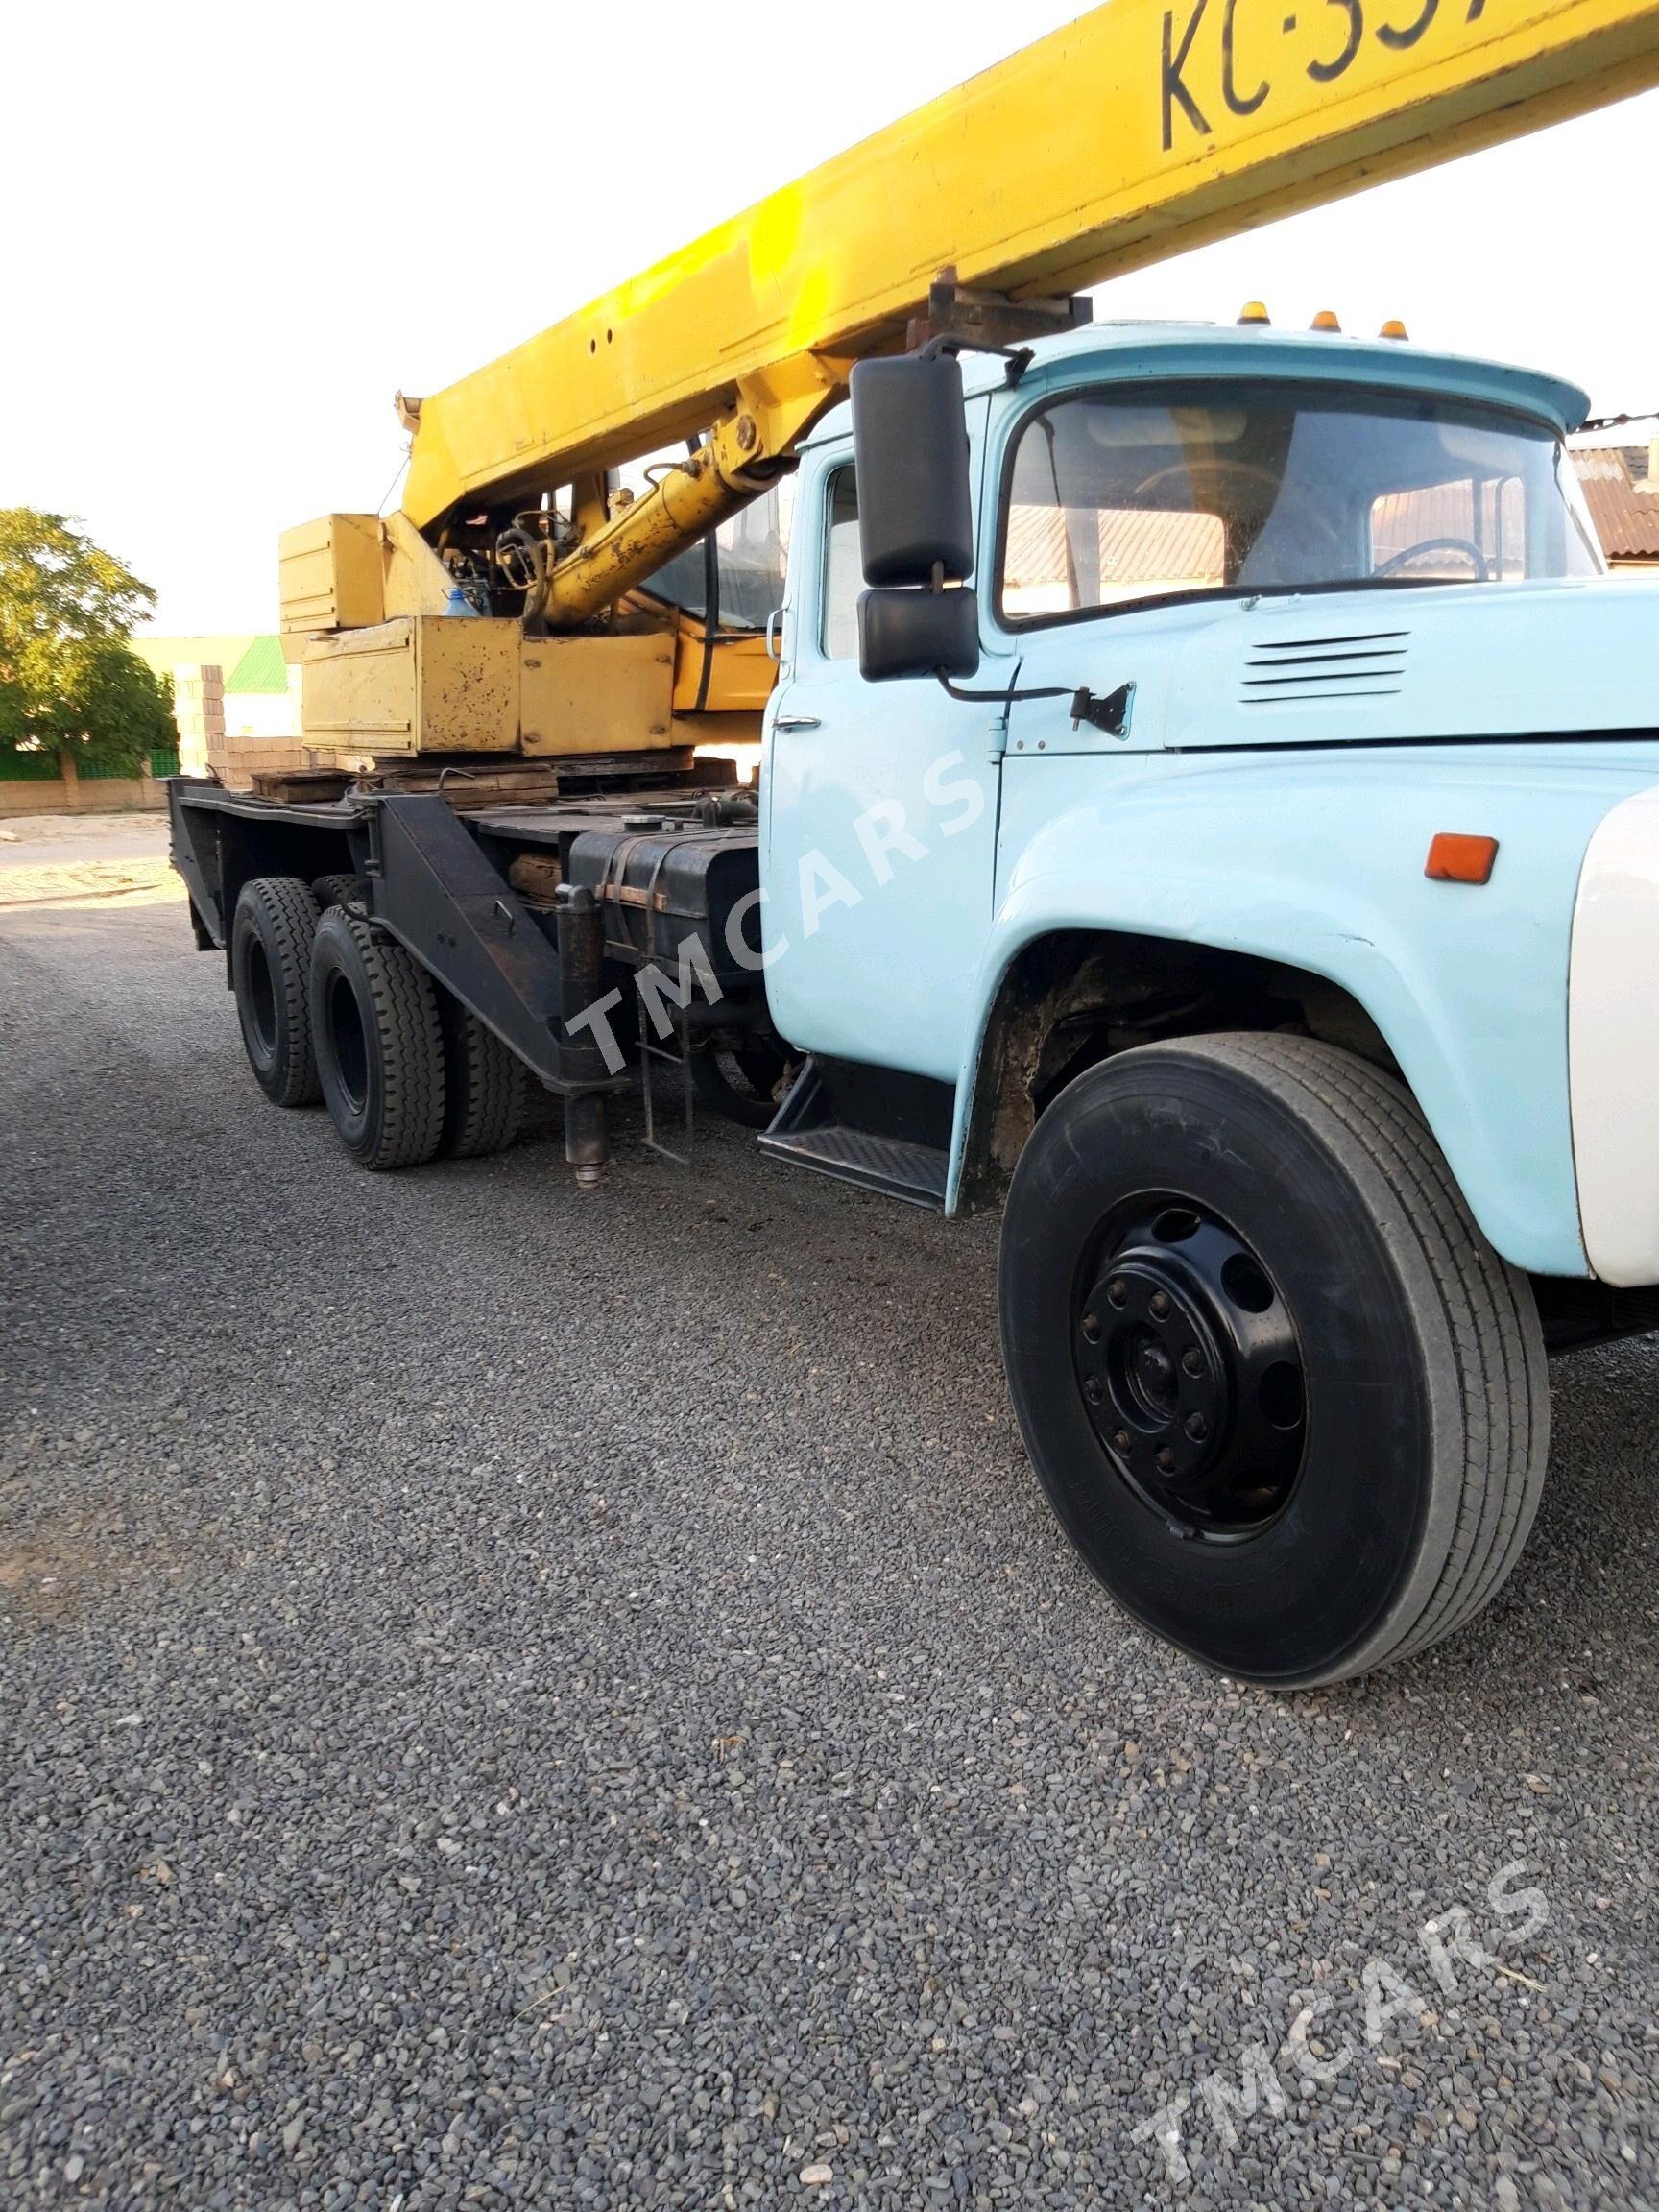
(509, 1698)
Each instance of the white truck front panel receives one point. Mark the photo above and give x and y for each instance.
(1613, 1037)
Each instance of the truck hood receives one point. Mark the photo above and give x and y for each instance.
(1443, 662)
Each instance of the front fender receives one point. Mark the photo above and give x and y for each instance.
(1318, 862)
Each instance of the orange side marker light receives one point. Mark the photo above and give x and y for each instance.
(1462, 860)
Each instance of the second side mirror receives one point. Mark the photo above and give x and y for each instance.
(907, 634)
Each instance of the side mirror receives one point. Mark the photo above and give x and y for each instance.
(915, 496)
(915, 518)
(907, 634)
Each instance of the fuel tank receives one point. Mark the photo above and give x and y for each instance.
(664, 881)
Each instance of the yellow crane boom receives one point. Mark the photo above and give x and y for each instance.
(1138, 131)
(1145, 128)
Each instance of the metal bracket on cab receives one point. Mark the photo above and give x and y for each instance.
(992, 321)
(1113, 713)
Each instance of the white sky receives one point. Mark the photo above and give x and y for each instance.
(234, 229)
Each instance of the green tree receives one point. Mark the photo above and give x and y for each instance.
(70, 683)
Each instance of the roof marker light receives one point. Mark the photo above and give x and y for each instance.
(1254, 316)
(1327, 319)
(1396, 329)
(1462, 860)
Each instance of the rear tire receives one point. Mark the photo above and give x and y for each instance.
(269, 971)
(1287, 1403)
(486, 1085)
(379, 1045)
(335, 890)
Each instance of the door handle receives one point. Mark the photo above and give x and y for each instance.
(796, 722)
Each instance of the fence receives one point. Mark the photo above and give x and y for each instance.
(33, 783)
(163, 761)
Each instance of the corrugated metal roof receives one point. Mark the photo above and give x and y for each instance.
(261, 668)
(1142, 551)
(1408, 530)
(1625, 515)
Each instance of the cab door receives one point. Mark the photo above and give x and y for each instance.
(878, 852)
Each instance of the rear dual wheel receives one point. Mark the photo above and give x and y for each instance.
(484, 1086)
(271, 937)
(407, 1073)
(329, 1011)
(337, 891)
(379, 1045)
(1285, 1398)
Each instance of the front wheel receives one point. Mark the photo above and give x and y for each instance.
(743, 1079)
(1289, 1405)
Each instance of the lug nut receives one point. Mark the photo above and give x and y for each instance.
(1159, 1307)
(1121, 1442)
(1119, 1293)
(1093, 1391)
(1198, 1429)
(1193, 1365)
(1091, 1328)
(1167, 1462)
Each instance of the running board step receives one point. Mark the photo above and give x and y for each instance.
(912, 1172)
(808, 1134)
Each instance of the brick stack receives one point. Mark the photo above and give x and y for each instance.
(199, 711)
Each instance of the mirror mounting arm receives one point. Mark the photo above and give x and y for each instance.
(1004, 699)
(1110, 713)
(1018, 358)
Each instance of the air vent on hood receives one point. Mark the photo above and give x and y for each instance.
(1370, 666)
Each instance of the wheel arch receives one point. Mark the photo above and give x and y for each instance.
(1060, 999)
(1069, 998)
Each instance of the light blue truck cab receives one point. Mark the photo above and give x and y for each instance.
(1229, 830)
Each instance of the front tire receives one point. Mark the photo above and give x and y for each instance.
(1289, 1405)
(742, 1079)
(379, 1045)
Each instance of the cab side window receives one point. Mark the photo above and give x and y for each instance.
(843, 568)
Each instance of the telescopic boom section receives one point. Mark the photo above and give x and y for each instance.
(1144, 129)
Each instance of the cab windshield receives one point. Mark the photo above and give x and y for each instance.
(1116, 498)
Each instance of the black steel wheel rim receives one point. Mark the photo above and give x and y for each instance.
(351, 1043)
(261, 996)
(1191, 1369)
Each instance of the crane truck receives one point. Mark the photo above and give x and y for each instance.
(1208, 808)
